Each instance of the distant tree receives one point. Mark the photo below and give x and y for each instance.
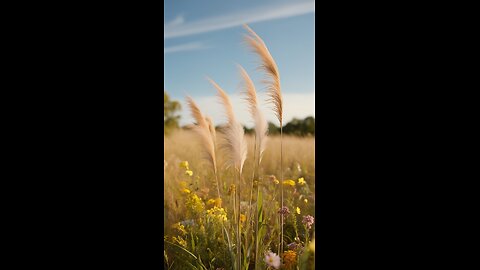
(273, 129)
(248, 130)
(300, 127)
(170, 109)
(309, 123)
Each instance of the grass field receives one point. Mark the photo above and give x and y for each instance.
(200, 230)
(234, 201)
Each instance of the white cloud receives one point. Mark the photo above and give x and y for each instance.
(175, 22)
(185, 47)
(178, 27)
(298, 105)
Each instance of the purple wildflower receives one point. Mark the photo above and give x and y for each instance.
(308, 221)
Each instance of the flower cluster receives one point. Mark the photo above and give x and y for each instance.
(308, 221)
(217, 213)
(231, 189)
(289, 183)
(215, 202)
(289, 258)
(180, 228)
(184, 164)
(179, 240)
(195, 203)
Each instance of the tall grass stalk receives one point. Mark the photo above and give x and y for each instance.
(269, 66)
(236, 145)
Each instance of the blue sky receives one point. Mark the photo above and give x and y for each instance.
(205, 38)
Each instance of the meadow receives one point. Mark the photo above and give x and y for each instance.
(239, 201)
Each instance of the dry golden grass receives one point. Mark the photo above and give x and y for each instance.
(183, 145)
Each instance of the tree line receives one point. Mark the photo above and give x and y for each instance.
(298, 127)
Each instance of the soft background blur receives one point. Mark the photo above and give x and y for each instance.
(205, 38)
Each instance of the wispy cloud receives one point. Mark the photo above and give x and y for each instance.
(180, 19)
(178, 27)
(194, 46)
(296, 105)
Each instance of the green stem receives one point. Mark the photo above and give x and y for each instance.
(239, 251)
(281, 187)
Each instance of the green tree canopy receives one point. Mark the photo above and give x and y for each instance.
(170, 109)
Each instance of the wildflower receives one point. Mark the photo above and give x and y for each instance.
(188, 172)
(210, 202)
(180, 241)
(242, 218)
(195, 203)
(218, 202)
(306, 200)
(301, 181)
(217, 213)
(179, 227)
(292, 245)
(273, 179)
(272, 259)
(289, 258)
(297, 210)
(289, 182)
(232, 189)
(186, 190)
(308, 221)
(184, 164)
(284, 211)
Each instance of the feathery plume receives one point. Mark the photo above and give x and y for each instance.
(211, 128)
(261, 125)
(271, 70)
(203, 131)
(234, 133)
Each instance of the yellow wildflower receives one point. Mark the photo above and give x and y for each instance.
(232, 189)
(273, 179)
(217, 213)
(289, 182)
(185, 190)
(195, 203)
(242, 218)
(188, 172)
(211, 201)
(301, 181)
(180, 241)
(297, 210)
(306, 200)
(179, 227)
(218, 202)
(184, 164)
